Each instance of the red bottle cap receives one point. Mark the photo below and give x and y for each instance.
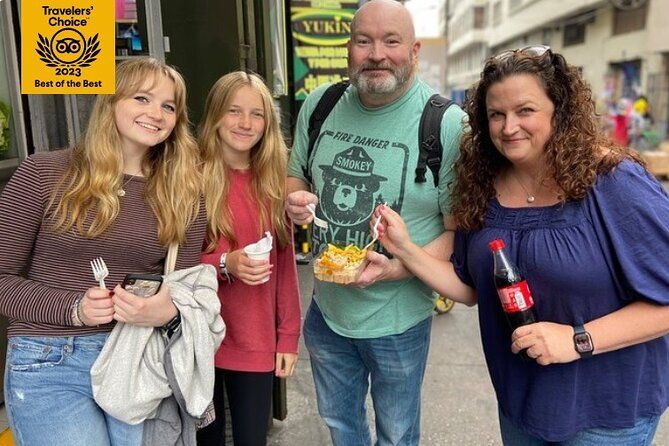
(496, 245)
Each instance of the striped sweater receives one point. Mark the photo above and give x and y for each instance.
(42, 273)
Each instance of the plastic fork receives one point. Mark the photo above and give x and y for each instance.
(100, 271)
(375, 233)
(317, 221)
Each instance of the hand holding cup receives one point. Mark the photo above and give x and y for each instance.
(251, 264)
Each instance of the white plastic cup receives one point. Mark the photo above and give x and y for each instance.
(253, 253)
(257, 255)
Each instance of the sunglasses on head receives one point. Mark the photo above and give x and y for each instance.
(532, 51)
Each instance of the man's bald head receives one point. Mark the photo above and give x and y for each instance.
(382, 52)
(386, 10)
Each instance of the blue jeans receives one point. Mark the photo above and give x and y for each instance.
(343, 368)
(49, 397)
(641, 434)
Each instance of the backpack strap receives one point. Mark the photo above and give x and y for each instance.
(318, 117)
(429, 138)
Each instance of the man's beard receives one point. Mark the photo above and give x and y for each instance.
(380, 85)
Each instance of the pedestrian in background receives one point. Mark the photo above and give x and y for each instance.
(376, 332)
(586, 224)
(621, 123)
(245, 171)
(126, 191)
(641, 124)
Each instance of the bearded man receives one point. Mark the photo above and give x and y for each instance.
(376, 331)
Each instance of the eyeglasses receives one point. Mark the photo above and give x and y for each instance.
(532, 51)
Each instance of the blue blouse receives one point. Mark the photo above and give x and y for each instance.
(582, 260)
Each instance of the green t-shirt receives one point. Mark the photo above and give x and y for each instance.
(364, 157)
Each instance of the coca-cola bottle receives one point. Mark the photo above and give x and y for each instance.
(512, 289)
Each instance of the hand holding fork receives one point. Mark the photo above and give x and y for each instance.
(95, 307)
(317, 221)
(100, 271)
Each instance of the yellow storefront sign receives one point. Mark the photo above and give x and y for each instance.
(67, 47)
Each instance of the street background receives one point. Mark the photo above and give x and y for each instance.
(458, 409)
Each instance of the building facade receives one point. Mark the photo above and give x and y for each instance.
(429, 17)
(619, 46)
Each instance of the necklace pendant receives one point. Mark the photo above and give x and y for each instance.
(530, 198)
(121, 193)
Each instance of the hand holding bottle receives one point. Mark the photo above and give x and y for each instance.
(513, 291)
(545, 342)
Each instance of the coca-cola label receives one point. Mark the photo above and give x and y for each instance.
(516, 297)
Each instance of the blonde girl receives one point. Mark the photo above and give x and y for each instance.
(124, 192)
(244, 169)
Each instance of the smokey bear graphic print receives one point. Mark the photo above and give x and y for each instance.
(351, 181)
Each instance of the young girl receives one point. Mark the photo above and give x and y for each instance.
(244, 171)
(124, 193)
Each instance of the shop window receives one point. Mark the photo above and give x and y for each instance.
(627, 79)
(626, 21)
(546, 36)
(12, 133)
(8, 149)
(573, 34)
(479, 17)
(131, 35)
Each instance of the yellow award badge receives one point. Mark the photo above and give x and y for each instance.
(67, 47)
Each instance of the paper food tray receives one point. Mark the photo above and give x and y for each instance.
(345, 276)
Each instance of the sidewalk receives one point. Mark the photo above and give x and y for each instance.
(459, 407)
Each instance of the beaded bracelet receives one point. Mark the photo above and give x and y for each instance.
(75, 313)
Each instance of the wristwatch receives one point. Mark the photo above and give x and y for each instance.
(173, 325)
(583, 342)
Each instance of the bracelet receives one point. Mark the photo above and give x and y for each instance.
(75, 312)
(223, 268)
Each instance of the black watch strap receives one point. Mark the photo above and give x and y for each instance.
(172, 326)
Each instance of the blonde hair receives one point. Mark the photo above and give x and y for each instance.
(95, 170)
(268, 163)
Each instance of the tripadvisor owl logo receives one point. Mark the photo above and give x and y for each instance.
(68, 48)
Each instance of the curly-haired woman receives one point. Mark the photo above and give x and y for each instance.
(587, 225)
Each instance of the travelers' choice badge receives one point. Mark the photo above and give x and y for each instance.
(67, 47)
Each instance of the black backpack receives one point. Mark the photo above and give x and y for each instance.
(429, 134)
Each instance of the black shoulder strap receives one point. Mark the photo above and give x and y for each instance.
(429, 138)
(325, 105)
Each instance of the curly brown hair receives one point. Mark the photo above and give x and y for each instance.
(575, 153)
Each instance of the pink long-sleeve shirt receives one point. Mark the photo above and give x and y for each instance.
(264, 319)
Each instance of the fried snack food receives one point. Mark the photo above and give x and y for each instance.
(340, 265)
